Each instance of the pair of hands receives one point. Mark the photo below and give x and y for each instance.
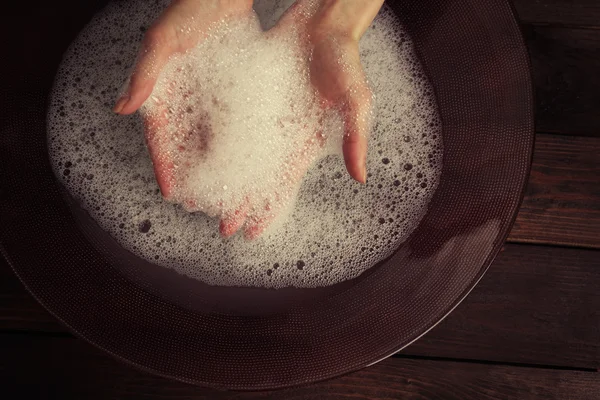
(332, 29)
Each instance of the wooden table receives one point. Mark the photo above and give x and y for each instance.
(529, 330)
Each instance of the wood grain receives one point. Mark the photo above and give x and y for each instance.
(536, 305)
(560, 12)
(67, 368)
(562, 202)
(565, 65)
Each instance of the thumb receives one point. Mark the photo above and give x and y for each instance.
(357, 114)
(153, 56)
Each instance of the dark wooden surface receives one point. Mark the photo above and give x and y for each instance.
(562, 202)
(564, 13)
(565, 65)
(529, 330)
(68, 368)
(540, 297)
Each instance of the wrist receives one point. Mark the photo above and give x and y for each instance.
(245, 5)
(230, 5)
(236, 5)
(347, 19)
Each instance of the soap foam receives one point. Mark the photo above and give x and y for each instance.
(241, 121)
(337, 228)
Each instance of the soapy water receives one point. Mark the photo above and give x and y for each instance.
(333, 231)
(235, 123)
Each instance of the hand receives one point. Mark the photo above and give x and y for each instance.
(181, 27)
(334, 28)
(331, 30)
(173, 153)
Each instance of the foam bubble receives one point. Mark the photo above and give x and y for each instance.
(241, 121)
(337, 228)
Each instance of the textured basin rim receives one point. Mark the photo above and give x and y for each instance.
(377, 358)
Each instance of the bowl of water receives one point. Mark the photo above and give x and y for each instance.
(352, 274)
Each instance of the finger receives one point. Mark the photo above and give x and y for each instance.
(357, 116)
(232, 222)
(155, 124)
(256, 226)
(280, 203)
(154, 54)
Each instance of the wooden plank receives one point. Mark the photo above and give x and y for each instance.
(67, 368)
(565, 65)
(560, 12)
(562, 202)
(536, 305)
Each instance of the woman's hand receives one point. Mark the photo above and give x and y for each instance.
(172, 154)
(334, 28)
(181, 27)
(331, 30)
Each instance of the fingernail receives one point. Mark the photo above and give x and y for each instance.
(120, 104)
(364, 174)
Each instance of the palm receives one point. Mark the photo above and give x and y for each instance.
(174, 154)
(331, 77)
(337, 74)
